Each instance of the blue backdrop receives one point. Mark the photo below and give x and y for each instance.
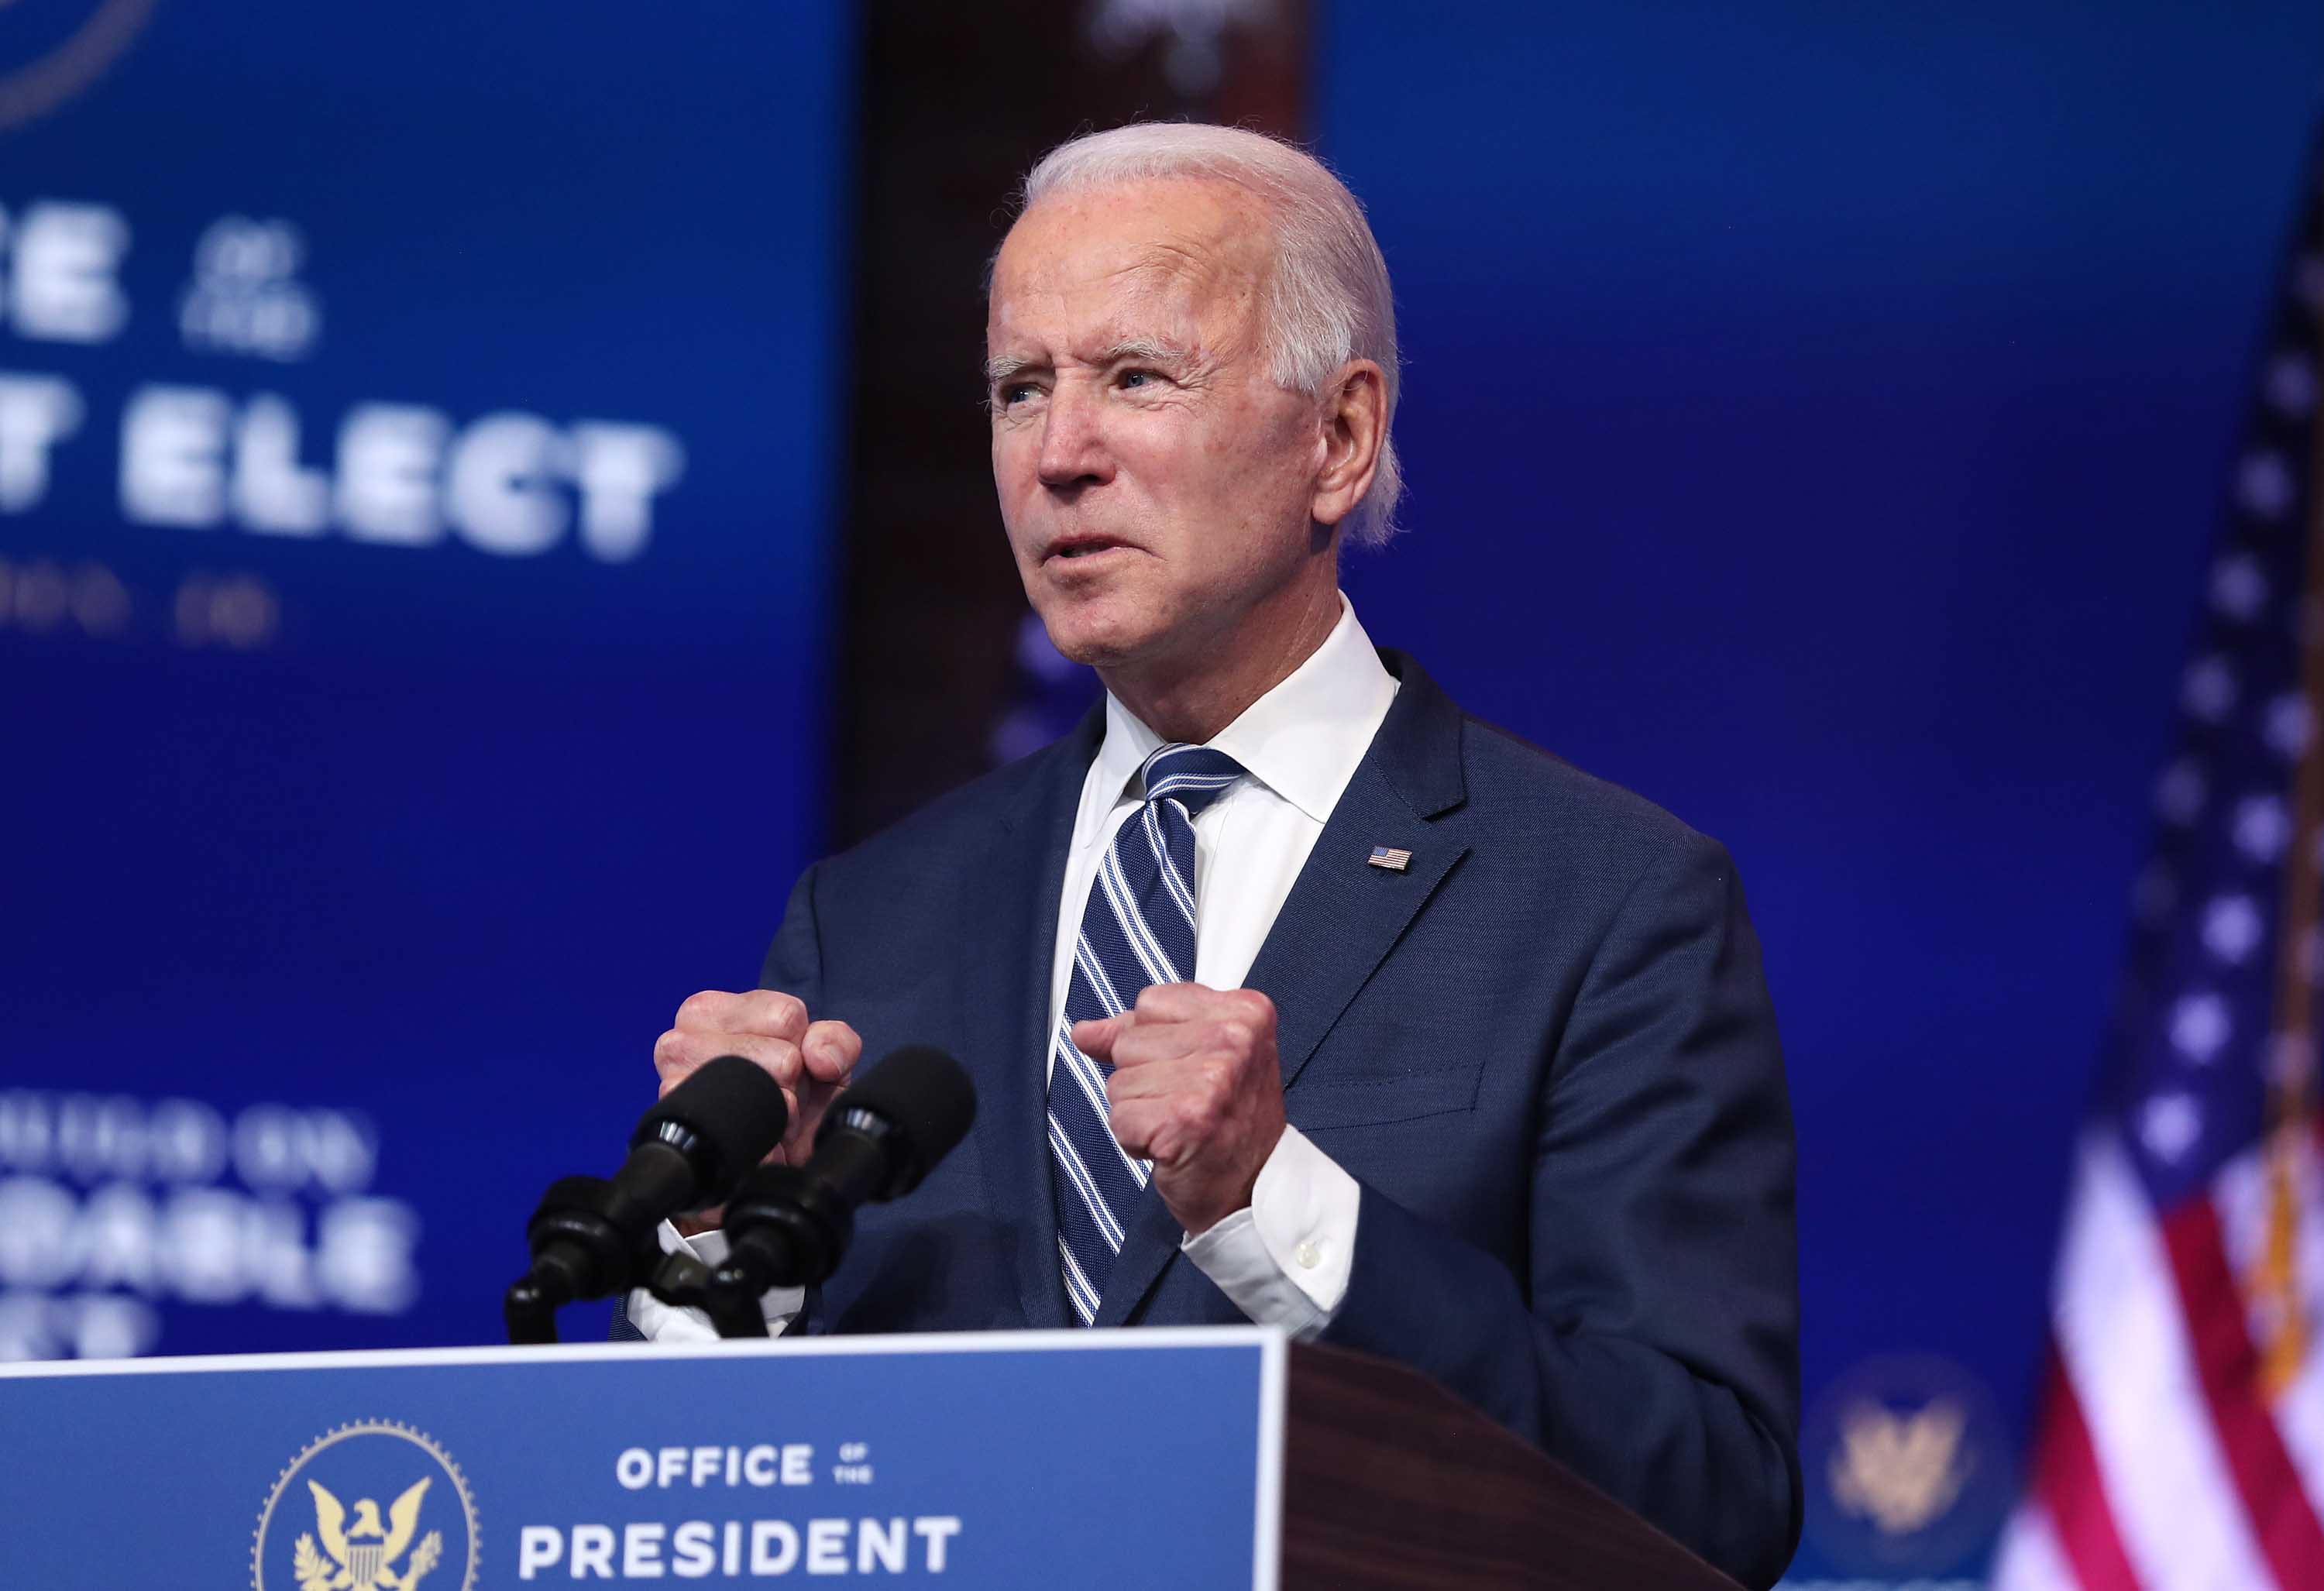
(415, 494)
(416, 442)
(1818, 416)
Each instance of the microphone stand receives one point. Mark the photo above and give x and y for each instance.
(683, 1280)
(579, 1251)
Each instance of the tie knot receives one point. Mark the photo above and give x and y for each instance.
(1192, 776)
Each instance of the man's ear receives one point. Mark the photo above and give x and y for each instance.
(1355, 425)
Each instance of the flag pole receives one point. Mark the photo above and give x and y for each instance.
(2274, 1281)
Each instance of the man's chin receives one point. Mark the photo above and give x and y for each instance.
(1091, 652)
(1097, 640)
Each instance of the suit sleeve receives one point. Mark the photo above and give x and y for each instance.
(1653, 1342)
(794, 962)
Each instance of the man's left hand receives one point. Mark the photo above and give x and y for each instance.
(1197, 1089)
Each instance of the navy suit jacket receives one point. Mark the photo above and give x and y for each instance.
(1545, 1050)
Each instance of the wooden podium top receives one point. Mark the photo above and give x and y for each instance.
(1390, 1481)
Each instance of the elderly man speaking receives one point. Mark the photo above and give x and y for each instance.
(1292, 994)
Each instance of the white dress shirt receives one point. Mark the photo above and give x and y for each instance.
(1284, 1260)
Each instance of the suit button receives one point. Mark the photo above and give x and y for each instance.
(1308, 1256)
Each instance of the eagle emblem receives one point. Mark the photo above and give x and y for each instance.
(1901, 1470)
(361, 1557)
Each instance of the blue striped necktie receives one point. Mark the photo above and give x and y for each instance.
(1138, 929)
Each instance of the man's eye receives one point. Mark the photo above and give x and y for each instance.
(1136, 378)
(1017, 391)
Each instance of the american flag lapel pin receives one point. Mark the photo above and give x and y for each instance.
(1390, 858)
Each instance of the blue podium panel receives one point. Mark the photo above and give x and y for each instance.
(1120, 1460)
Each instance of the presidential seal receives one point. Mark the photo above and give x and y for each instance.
(371, 1506)
(1908, 1467)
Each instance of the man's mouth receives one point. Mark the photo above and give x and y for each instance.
(1083, 546)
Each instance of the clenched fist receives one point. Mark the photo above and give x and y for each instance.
(1197, 1089)
(811, 1060)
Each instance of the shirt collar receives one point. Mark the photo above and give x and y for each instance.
(1302, 740)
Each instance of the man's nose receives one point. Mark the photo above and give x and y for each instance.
(1073, 441)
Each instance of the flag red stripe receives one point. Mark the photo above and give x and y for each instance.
(2283, 1518)
(2067, 1481)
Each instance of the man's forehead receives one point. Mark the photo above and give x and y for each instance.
(1156, 245)
(1141, 302)
(1064, 261)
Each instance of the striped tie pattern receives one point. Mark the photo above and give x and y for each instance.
(1138, 929)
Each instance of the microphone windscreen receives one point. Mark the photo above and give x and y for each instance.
(924, 1094)
(736, 1110)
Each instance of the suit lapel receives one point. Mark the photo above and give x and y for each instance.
(1340, 921)
(1344, 915)
(1010, 960)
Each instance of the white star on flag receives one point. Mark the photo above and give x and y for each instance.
(2210, 690)
(2287, 725)
(2261, 828)
(2238, 587)
(2231, 928)
(2170, 1125)
(2200, 1026)
(2263, 485)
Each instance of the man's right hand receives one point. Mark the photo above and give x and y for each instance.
(811, 1060)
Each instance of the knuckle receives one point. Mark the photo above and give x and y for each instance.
(669, 1049)
(697, 1009)
(775, 1013)
(837, 1039)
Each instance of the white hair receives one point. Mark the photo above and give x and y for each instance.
(1327, 299)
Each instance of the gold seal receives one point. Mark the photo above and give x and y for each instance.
(1901, 1469)
(349, 1544)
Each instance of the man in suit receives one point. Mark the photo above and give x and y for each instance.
(1291, 993)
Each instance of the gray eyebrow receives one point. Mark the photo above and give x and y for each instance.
(1152, 349)
(1002, 367)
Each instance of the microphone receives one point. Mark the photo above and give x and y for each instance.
(787, 1226)
(592, 1236)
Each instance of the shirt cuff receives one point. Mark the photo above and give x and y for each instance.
(662, 1322)
(1284, 1259)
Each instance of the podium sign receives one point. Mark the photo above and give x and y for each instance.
(1110, 1457)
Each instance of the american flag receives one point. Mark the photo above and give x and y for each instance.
(2181, 1439)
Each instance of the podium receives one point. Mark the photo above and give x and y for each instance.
(1390, 1481)
(1164, 1458)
